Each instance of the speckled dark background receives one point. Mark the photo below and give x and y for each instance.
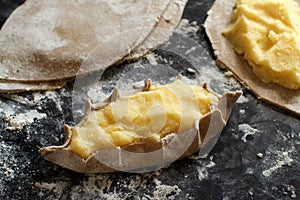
(231, 171)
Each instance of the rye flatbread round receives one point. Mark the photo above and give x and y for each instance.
(48, 40)
(218, 19)
(167, 23)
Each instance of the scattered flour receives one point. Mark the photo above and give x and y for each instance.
(162, 191)
(242, 111)
(18, 117)
(42, 96)
(242, 99)
(38, 98)
(100, 186)
(250, 170)
(202, 173)
(151, 58)
(292, 190)
(18, 121)
(202, 169)
(284, 159)
(96, 95)
(228, 74)
(55, 187)
(190, 50)
(185, 27)
(6, 162)
(12, 163)
(247, 130)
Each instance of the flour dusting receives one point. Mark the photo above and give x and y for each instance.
(18, 121)
(188, 28)
(106, 187)
(56, 187)
(151, 58)
(242, 99)
(246, 129)
(39, 97)
(202, 168)
(162, 191)
(6, 165)
(283, 159)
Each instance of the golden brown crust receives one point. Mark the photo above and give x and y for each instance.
(147, 155)
(218, 18)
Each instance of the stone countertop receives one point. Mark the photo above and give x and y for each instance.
(256, 157)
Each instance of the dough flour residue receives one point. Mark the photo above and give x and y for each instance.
(106, 187)
(247, 130)
(17, 121)
(26, 109)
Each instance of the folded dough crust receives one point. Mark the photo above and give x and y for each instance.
(148, 155)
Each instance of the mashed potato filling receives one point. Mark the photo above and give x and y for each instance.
(267, 33)
(144, 116)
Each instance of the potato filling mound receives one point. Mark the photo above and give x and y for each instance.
(144, 116)
(267, 33)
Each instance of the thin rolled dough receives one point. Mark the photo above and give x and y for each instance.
(218, 18)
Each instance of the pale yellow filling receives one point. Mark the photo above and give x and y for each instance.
(267, 33)
(145, 116)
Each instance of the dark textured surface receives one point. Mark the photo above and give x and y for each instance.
(232, 170)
